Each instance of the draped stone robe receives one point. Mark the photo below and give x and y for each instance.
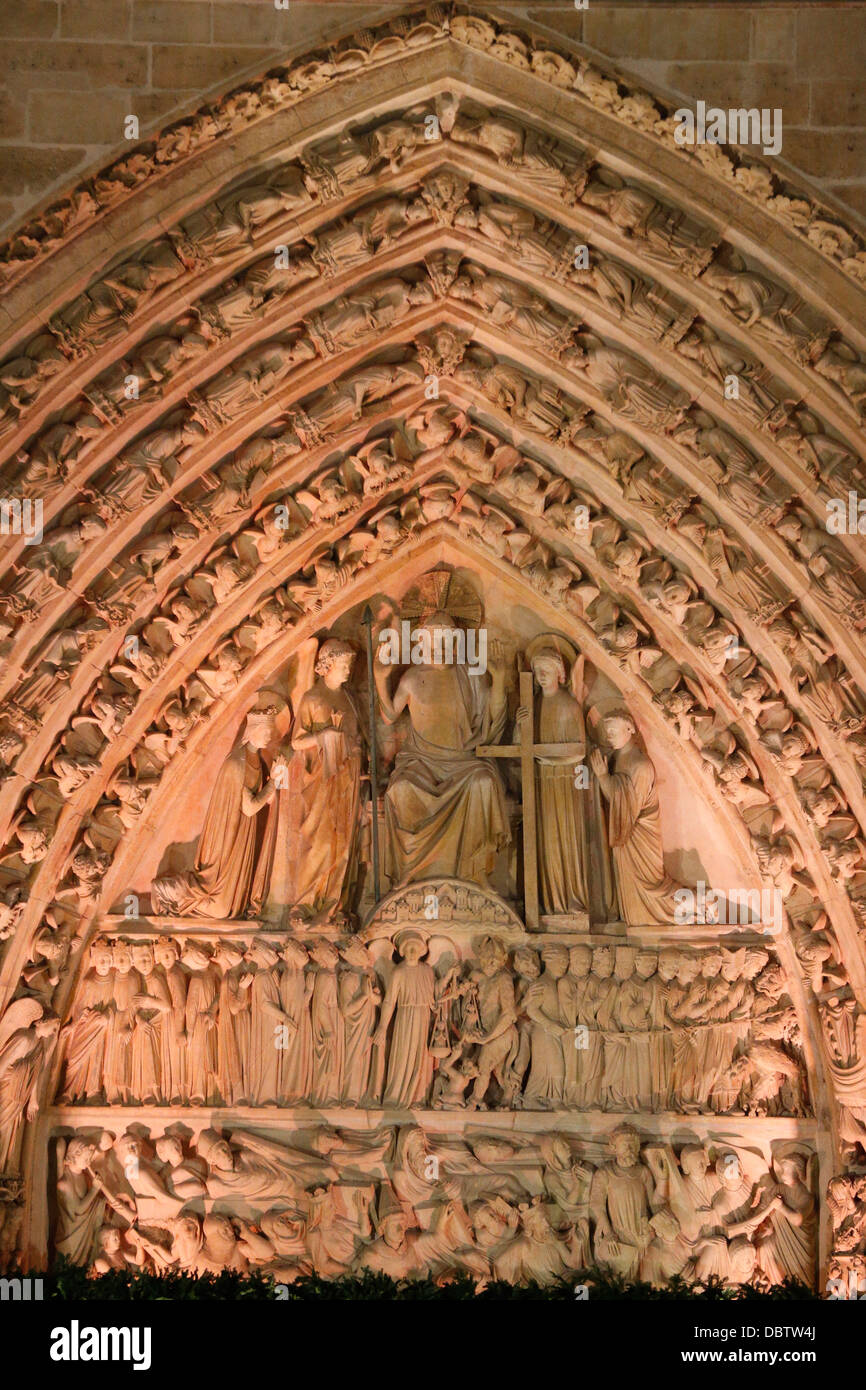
(573, 860)
(410, 1065)
(220, 884)
(621, 1197)
(234, 1037)
(444, 807)
(264, 1058)
(645, 891)
(88, 1039)
(358, 1006)
(328, 1038)
(201, 999)
(309, 849)
(146, 1083)
(296, 1059)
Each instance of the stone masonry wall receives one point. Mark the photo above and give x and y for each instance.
(71, 70)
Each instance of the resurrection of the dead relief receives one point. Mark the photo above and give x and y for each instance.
(433, 702)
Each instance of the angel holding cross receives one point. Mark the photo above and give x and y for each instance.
(567, 865)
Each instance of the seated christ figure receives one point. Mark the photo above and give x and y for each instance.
(444, 807)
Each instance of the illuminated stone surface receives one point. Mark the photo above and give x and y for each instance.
(371, 368)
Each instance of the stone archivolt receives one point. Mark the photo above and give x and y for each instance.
(422, 30)
(427, 383)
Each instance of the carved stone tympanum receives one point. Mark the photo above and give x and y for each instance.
(432, 697)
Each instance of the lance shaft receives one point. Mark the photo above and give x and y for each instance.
(367, 620)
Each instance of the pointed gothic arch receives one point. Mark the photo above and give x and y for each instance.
(379, 242)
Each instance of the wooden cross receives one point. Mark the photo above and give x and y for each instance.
(527, 751)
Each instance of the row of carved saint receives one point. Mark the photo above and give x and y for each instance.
(279, 1022)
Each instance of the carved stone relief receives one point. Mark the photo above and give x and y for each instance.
(435, 889)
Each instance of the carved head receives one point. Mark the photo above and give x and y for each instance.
(555, 960)
(669, 965)
(109, 1239)
(48, 1026)
(548, 669)
(688, 969)
(89, 527)
(195, 955)
(166, 952)
(694, 1160)
(219, 1233)
(624, 958)
(79, 1155)
(121, 956)
(169, 1149)
(711, 965)
(102, 957)
(771, 982)
(754, 963)
(392, 1229)
(335, 661)
(645, 964)
(34, 843)
(325, 954)
(260, 727)
(263, 954)
(411, 946)
(229, 954)
(423, 644)
(619, 729)
(142, 957)
(216, 1151)
(580, 961)
(625, 1143)
(729, 1170)
(294, 954)
(789, 1169)
(127, 1148)
(602, 962)
(490, 1148)
(492, 954)
(412, 1149)
(526, 963)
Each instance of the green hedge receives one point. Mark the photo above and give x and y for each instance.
(71, 1282)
